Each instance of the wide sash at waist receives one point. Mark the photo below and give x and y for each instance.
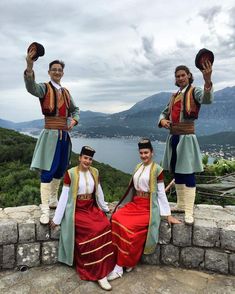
(182, 128)
(56, 122)
(84, 196)
(142, 194)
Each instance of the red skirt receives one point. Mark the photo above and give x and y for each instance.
(129, 231)
(93, 252)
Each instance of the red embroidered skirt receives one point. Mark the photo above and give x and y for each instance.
(129, 231)
(93, 252)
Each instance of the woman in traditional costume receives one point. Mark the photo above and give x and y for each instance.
(85, 237)
(136, 218)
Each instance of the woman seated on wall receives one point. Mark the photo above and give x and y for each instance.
(136, 220)
(85, 237)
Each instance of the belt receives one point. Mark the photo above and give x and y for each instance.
(84, 196)
(56, 122)
(182, 128)
(142, 194)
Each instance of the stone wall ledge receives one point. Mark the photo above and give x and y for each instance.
(208, 245)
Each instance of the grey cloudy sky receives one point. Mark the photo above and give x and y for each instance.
(116, 52)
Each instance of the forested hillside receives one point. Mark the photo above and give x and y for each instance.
(20, 186)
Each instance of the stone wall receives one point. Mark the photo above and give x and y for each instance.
(207, 245)
(23, 240)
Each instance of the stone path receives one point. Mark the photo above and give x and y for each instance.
(145, 279)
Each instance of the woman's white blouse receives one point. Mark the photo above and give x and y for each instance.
(86, 183)
(141, 178)
(86, 186)
(141, 183)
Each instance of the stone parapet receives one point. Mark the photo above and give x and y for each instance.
(23, 240)
(207, 245)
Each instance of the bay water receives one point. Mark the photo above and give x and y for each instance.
(120, 153)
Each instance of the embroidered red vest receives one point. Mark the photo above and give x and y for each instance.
(49, 101)
(191, 107)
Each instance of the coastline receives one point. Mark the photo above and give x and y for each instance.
(215, 151)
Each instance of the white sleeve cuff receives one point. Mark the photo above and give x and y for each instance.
(101, 201)
(59, 213)
(162, 200)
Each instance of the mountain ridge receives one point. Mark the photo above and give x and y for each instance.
(141, 118)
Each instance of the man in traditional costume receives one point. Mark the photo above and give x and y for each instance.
(136, 220)
(85, 237)
(52, 151)
(182, 153)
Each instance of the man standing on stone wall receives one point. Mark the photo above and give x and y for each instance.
(182, 154)
(52, 151)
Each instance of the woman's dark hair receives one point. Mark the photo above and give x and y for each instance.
(56, 62)
(186, 69)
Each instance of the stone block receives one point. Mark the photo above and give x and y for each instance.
(42, 232)
(227, 237)
(55, 234)
(216, 261)
(8, 257)
(209, 212)
(8, 232)
(230, 208)
(50, 252)
(23, 213)
(3, 214)
(170, 255)
(232, 264)
(152, 258)
(205, 233)
(28, 254)
(182, 235)
(192, 257)
(26, 232)
(164, 233)
(1, 249)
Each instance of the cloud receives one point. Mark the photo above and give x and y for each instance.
(221, 31)
(209, 14)
(116, 53)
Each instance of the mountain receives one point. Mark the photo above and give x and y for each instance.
(7, 124)
(156, 101)
(220, 144)
(91, 114)
(38, 124)
(141, 119)
(222, 138)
